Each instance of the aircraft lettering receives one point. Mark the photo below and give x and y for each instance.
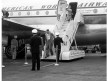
(85, 4)
(91, 4)
(105, 4)
(18, 8)
(13, 8)
(54, 6)
(80, 5)
(7, 8)
(49, 7)
(43, 6)
(98, 3)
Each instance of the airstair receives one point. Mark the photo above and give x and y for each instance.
(67, 31)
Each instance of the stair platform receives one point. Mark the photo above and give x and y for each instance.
(69, 55)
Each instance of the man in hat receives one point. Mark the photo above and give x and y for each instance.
(35, 43)
(57, 43)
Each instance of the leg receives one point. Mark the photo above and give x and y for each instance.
(44, 54)
(33, 65)
(13, 52)
(38, 62)
(58, 54)
(47, 49)
(51, 51)
(33, 62)
(51, 47)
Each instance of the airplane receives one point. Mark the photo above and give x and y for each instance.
(23, 18)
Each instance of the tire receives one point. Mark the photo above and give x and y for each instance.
(20, 54)
(8, 52)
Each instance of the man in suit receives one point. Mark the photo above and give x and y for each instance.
(49, 39)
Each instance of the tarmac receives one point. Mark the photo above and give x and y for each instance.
(91, 68)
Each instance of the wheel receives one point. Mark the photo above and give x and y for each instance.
(20, 52)
(8, 52)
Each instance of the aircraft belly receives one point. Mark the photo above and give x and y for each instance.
(89, 36)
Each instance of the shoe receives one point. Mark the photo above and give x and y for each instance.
(32, 69)
(38, 69)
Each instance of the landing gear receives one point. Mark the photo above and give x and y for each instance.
(20, 52)
(8, 52)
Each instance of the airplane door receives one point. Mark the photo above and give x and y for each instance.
(73, 6)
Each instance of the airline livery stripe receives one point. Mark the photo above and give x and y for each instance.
(48, 13)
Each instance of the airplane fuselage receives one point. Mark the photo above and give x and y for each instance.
(93, 31)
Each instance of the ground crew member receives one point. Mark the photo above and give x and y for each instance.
(14, 47)
(35, 49)
(57, 42)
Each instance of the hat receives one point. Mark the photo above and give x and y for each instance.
(15, 36)
(34, 31)
(47, 30)
(57, 33)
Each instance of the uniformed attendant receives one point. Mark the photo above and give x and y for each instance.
(35, 49)
(14, 47)
(57, 42)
